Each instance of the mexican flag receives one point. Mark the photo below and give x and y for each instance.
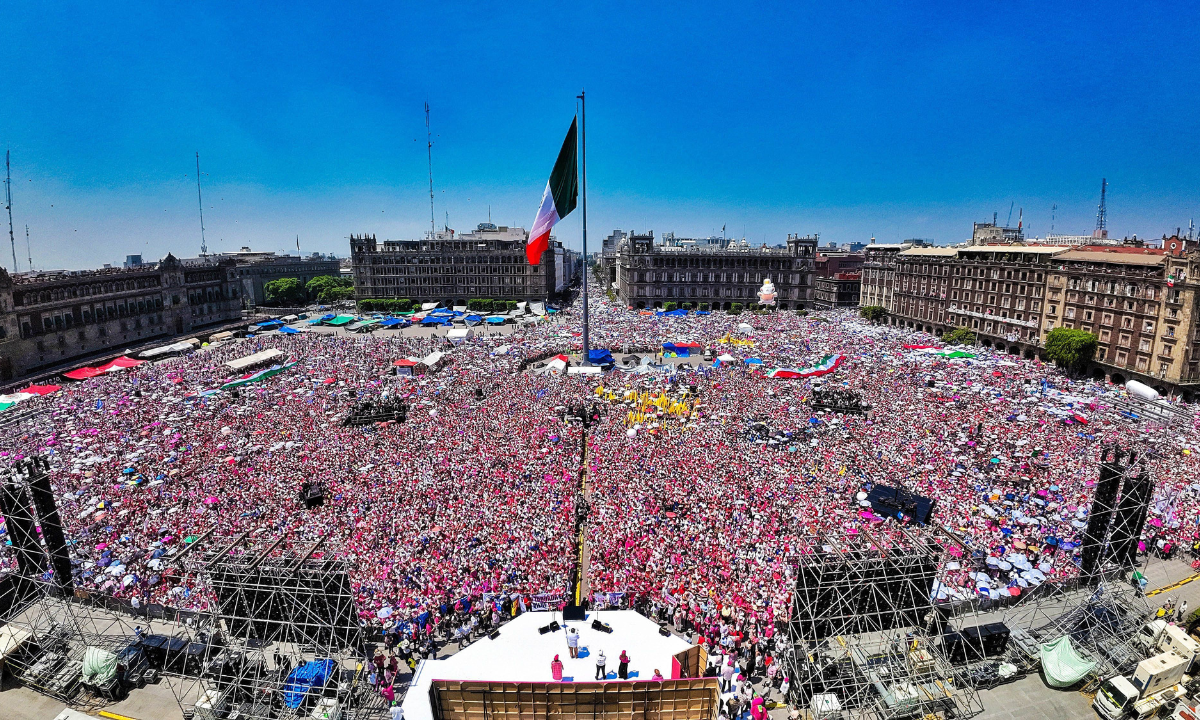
(559, 198)
(824, 366)
(256, 376)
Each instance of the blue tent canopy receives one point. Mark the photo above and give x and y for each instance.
(435, 321)
(394, 321)
(703, 312)
(495, 320)
(288, 330)
(672, 313)
(314, 673)
(753, 361)
(270, 323)
(600, 356)
(473, 319)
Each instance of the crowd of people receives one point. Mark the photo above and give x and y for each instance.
(689, 517)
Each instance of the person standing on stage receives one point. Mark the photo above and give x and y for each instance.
(623, 666)
(573, 641)
(601, 661)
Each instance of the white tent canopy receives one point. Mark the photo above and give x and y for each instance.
(258, 358)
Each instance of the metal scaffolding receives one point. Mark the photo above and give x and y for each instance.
(863, 632)
(280, 639)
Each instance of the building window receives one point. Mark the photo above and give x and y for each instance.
(1122, 358)
(1144, 345)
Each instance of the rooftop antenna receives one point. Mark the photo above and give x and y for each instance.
(1101, 230)
(1191, 229)
(429, 154)
(447, 226)
(1008, 222)
(28, 252)
(8, 205)
(1053, 214)
(200, 199)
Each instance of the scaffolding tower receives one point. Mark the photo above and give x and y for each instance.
(280, 637)
(863, 631)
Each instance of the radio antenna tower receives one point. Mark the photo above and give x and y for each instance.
(200, 198)
(8, 205)
(1102, 212)
(429, 154)
(28, 252)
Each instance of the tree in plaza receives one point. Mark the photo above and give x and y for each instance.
(873, 313)
(284, 291)
(1071, 349)
(322, 283)
(960, 336)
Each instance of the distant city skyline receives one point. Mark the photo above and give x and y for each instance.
(884, 121)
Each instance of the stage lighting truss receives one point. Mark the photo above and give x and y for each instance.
(1101, 612)
(863, 633)
(263, 618)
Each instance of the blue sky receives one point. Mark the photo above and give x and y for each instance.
(848, 119)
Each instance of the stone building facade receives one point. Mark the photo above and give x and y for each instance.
(450, 268)
(648, 275)
(878, 274)
(1140, 303)
(840, 291)
(256, 269)
(51, 319)
(830, 263)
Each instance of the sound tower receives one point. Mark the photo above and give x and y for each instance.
(14, 503)
(860, 592)
(1130, 518)
(1100, 514)
(52, 532)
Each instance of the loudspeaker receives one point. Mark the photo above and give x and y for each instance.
(554, 626)
(601, 627)
(52, 533)
(1130, 518)
(543, 630)
(995, 639)
(1092, 547)
(14, 503)
(664, 632)
(493, 635)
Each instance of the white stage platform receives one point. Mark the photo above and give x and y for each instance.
(520, 654)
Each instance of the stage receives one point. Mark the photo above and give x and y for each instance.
(521, 654)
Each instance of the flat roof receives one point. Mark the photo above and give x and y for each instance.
(1004, 247)
(932, 251)
(1117, 258)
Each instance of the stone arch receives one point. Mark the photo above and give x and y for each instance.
(641, 304)
(1097, 374)
(1014, 350)
(938, 332)
(1118, 379)
(986, 343)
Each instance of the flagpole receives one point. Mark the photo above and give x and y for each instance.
(583, 169)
